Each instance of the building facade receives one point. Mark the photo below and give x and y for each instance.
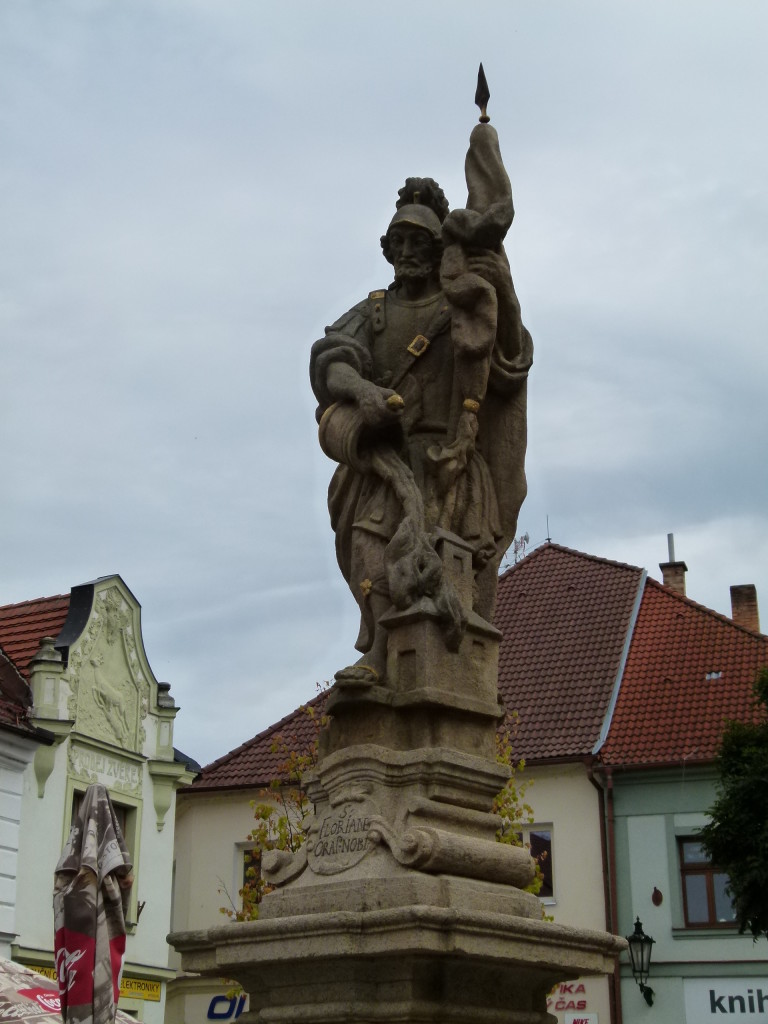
(109, 721)
(689, 670)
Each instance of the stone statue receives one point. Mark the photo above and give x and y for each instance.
(422, 402)
(401, 905)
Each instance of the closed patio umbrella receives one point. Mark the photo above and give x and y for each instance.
(90, 899)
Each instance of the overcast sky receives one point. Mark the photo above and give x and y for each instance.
(190, 191)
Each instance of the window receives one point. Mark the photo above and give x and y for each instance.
(706, 903)
(121, 812)
(538, 839)
(127, 819)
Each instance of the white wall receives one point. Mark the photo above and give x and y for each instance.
(211, 832)
(16, 753)
(562, 796)
(42, 838)
(81, 698)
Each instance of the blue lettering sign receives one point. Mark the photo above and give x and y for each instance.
(224, 1008)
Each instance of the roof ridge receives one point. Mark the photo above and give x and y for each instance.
(549, 544)
(533, 553)
(703, 608)
(34, 601)
(269, 731)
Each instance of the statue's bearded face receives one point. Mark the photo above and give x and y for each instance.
(412, 251)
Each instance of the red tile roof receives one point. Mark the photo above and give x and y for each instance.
(564, 617)
(261, 759)
(15, 697)
(22, 627)
(689, 670)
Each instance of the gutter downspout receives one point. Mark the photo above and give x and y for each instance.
(611, 844)
(608, 843)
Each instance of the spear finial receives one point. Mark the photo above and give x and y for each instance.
(482, 95)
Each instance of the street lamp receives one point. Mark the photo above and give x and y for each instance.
(640, 956)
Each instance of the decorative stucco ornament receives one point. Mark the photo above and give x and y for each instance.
(109, 694)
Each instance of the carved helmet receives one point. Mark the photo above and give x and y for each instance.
(422, 203)
(420, 216)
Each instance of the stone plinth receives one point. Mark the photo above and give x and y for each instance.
(417, 948)
(380, 812)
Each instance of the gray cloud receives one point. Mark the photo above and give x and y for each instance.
(192, 190)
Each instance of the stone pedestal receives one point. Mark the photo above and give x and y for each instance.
(401, 906)
(416, 948)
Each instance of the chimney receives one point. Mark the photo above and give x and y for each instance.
(673, 573)
(744, 607)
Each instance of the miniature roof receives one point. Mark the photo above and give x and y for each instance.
(689, 670)
(22, 627)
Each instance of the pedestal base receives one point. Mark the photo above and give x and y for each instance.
(413, 949)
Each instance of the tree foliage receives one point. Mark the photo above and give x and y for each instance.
(283, 811)
(510, 804)
(282, 816)
(736, 839)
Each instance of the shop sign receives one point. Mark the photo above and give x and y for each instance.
(740, 999)
(47, 972)
(569, 997)
(140, 988)
(130, 988)
(226, 1007)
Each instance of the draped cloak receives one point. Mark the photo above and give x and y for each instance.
(493, 485)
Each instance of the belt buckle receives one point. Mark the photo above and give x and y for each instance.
(418, 346)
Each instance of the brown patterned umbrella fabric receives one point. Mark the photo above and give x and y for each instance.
(91, 890)
(27, 997)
